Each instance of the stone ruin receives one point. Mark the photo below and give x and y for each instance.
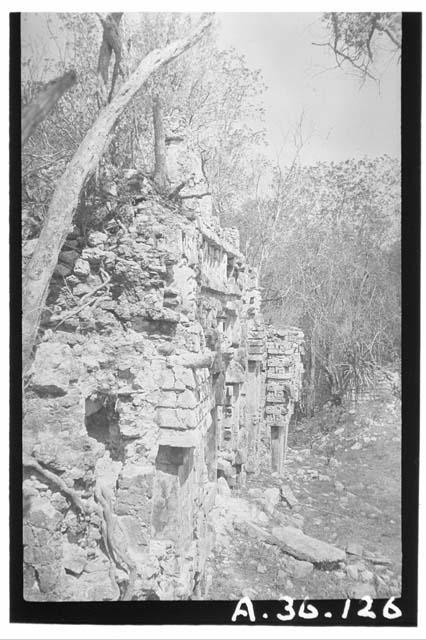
(155, 375)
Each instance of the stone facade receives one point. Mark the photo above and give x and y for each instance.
(284, 372)
(149, 382)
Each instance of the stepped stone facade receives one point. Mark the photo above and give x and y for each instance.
(155, 375)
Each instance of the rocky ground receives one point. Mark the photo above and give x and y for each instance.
(343, 489)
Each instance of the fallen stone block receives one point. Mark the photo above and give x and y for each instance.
(74, 559)
(271, 497)
(81, 268)
(303, 547)
(352, 571)
(300, 568)
(96, 238)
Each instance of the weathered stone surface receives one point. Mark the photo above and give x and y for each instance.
(68, 257)
(168, 419)
(81, 290)
(271, 498)
(74, 559)
(81, 268)
(96, 238)
(303, 547)
(352, 571)
(54, 368)
(140, 398)
(187, 400)
(354, 548)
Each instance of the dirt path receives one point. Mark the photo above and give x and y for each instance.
(350, 499)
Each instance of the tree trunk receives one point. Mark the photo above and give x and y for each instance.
(111, 42)
(66, 195)
(312, 375)
(160, 176)
(35, 112)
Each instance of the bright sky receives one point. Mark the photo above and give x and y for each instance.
(341, 119)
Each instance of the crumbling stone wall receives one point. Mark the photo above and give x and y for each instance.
(148, 384)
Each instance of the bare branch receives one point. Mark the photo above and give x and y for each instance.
(35, 112)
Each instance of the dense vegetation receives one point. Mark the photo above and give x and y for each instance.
(325, 237)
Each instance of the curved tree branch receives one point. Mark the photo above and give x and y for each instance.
(67, 193)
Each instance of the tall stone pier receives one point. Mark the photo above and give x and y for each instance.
(284, 371)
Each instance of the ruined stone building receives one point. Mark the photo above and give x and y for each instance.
(155, 375)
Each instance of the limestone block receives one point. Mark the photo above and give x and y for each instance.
(168, 399)
(169, 419)
(81, 290)
(194, 361)
(304, 547)
(54, 416)
(138, 423)
(188, 417)
(187, 400)
(271, 498)
(226, 467)
(352, 571)
(354, 548)
(166, 512)
(74, 558)
(54, 368)
(48, 576)
(43, 515)
(167, 380)
(135, 530)
(185, 377)
(69, 257)
(134, 494)
(172, 438)
(96, 239)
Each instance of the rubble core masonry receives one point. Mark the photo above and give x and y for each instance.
(154, 376)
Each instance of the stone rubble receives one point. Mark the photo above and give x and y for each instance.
(156, 385)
